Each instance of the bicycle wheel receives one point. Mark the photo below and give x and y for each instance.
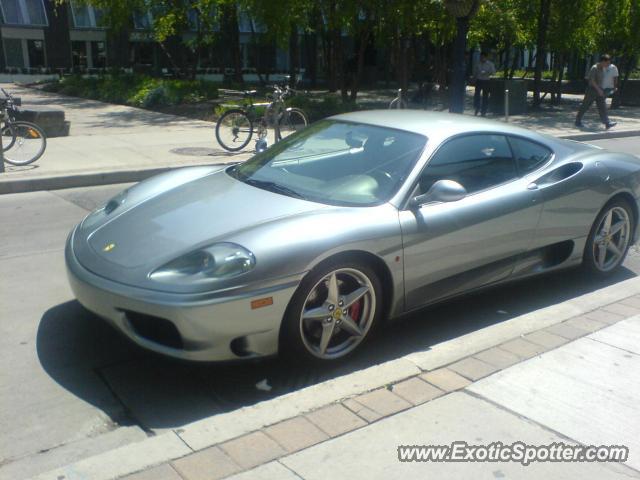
(234, 130)
(29, 144)
(291, 121)
(8, 137)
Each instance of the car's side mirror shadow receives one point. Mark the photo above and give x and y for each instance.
(441, 191)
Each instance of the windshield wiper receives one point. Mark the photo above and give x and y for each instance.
(274, 187)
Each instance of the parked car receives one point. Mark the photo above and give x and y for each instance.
(307, 247)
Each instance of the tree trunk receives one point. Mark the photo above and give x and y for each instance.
(507, 59)
(629, 65)
(558, 76)
(457, 88)
(294, 54)
(255, 45)
(541, 41)
(231, 35)
(335, 59)
(357, 76)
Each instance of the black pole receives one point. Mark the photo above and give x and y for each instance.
(458, 85)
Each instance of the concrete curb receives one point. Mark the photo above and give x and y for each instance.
(219, 428)
(585, 137)
(89, 179)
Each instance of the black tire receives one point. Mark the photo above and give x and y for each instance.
(8, 137)
(591, 258)
(295, 331)
(234, 130)
(291, 121)
(29, 143)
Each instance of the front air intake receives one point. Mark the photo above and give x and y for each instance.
(155, 329)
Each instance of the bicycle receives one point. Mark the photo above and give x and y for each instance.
(22, 142)
(236, 126)
(398, 102)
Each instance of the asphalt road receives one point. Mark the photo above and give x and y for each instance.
(72, 386)
(626, 144)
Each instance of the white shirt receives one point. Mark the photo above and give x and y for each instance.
(608, 74)
(484, 70)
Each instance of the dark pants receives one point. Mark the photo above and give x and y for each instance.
(482, 88)
(589, 97)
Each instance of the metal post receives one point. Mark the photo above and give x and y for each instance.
(399, 105)
(506, 105)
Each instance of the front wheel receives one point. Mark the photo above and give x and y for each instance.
(610, 238)
(234, 130)
(333, 312)
(290, 121)
(27, 142)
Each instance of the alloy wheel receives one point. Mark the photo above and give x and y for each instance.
(337, 313)
(612, 239)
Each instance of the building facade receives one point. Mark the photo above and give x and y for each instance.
(42, 37)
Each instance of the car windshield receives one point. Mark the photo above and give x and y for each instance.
(336, 163)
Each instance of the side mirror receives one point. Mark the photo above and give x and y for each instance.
(441, 191)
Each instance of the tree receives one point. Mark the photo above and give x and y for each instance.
(503, 25)
(620, 35)
(463, 11)
(544, 12)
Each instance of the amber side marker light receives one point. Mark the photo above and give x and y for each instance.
(261, 302)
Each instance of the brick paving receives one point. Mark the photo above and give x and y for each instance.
(280, 439)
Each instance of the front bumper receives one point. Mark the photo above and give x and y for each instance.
(211, 327)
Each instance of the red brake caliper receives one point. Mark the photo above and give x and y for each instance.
(355, 310)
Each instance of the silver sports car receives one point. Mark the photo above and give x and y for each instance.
(307, 247)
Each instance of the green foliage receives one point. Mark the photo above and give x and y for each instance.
(136, 90)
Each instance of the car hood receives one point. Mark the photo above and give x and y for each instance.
(177, 220)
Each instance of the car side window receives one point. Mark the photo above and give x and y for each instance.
(529, 155)
(476, 162)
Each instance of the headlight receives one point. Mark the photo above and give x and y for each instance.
(219, 261)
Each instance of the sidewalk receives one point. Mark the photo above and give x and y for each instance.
(111, 144)
(567, 373)
(115, 143)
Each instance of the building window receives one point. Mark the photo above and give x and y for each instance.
(98, 54)
(13, 52)
(79, 54)
(23, 12)
(85, 16)
(142, 21)
(141, 53)
(36, 53)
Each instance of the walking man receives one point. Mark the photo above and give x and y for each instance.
(482, 73)
(595, 91)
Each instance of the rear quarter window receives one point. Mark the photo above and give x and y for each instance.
(529, 155)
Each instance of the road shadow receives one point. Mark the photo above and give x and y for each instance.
(158, 393)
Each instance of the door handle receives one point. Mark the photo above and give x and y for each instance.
(532, 186)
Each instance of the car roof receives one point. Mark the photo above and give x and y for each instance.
(435, 125)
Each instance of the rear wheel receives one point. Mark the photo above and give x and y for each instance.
(610, 238)
(333, 312)
(27, 142)
(234, 130)
(291, 121)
